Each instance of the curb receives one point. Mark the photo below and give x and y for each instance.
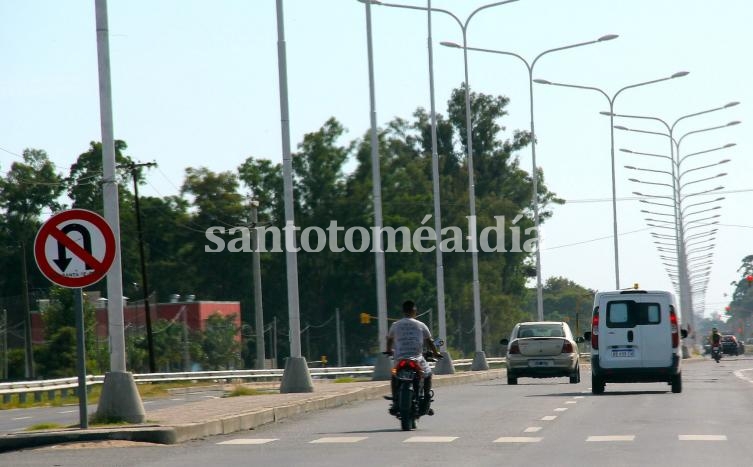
(172, 434)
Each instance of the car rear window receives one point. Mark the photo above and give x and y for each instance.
(541, 330)
(629, 313)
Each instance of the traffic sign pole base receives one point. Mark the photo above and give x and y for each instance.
(296, 377)
(120, 400)
(382, 368)
(479, 362)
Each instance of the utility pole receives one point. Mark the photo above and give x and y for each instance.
(258, 310)
(27, 316)
(339, 339)
(133, 168)
(5, 344)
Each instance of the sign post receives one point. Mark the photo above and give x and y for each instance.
(75, 249)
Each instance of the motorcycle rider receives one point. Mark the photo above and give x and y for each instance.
(406, 339)
(715, 339)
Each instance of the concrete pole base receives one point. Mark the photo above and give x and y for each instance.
(444, 365)
(120, 400)
(479, 362)
(296, 377)
(382, 368)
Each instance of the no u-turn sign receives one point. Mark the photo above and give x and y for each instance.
(75, 248)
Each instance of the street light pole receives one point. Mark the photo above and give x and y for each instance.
(534, 172)
(611, 100)
(256, 267)
(479, 359)
(296, 377)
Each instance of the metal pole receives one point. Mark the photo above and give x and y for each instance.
(445, 365)
(110, 193)
(78, 305)
(5, 344)
(339, 339)
(535, 200)
(29, 354)
(258, 309)
(296, 377)
(382, 367)
(614, 198)
(186, 355)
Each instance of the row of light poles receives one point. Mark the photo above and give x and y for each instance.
(688, 271)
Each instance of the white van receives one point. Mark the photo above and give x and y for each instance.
(635, 337)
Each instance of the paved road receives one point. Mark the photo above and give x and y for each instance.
(542, 422)
(19, 419)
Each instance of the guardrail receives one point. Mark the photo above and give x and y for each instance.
(64, 385)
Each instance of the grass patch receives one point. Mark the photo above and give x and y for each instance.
(240, 390)
(45, 426)
(351, 379)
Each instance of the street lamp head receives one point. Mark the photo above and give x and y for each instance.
(734, 122)
(729, 145)
(451, 44)
(620, 127)
(608, 37)
(542, 81)
(373, 2)
(630, 167)
(626, 150)
(731, 104)
(634, 180)
(680, 74)
(724, 161)
(607, 113)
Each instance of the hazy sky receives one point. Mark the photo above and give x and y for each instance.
(195, 84)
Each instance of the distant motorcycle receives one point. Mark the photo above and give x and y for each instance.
(716, 353)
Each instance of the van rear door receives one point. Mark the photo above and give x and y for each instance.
(638, 331)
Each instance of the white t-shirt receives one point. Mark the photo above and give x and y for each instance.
(408, 337)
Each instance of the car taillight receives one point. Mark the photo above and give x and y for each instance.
(514, 348)
(567, 347)
(674, 326)
(595, 330)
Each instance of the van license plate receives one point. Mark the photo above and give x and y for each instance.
(622, 353)
(539, 363)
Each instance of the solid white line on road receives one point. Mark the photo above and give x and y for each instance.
(532, 429)
(431, 439)
(178, 399)
(548, 418)
(68, 411)
(339, 439)
(517, 439)
(560, 409)
(610, 438)
(249, 441)
(702, 437)
(211, 397)
(571, 402)
(21, 418)
(148, 402)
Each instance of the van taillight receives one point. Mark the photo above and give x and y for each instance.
(595, 330)
(674, 326)
(514, 348)
(567, 347)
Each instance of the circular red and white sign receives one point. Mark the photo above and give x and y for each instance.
(75, 248)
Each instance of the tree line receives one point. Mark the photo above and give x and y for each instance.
(332, 182)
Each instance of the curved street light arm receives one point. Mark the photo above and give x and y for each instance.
(655, 203)
(685, 216)
(679, 140)
(628, 151)
(694, 221)
(635, 180)
(728, 145)
(702, 180)
(645, 211)
(649, 195)
(701, 234)
(726, 106)
(723, 161)
(630, 167)
(684, 197)
(701, 225)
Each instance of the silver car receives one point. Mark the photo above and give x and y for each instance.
(542, 349)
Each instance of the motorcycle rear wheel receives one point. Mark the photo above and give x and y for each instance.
(405, 398)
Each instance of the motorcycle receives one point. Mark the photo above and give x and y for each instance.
(716, 353)
(411, 400)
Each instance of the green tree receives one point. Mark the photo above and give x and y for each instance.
(220, 347)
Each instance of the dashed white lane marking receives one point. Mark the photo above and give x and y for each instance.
(249, 441)
(739, 374)
(532, 429)
(339, 439)
(211, 397)
(548, 418)
(702, 437)
(579, 397)
(610, 438)
(178, 399)
(68, 411)
(148, 402)
(517, 439)
(571, 402)
(560, 409)
(431, 439)
(21, 418)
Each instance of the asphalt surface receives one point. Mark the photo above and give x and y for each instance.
(482, 422)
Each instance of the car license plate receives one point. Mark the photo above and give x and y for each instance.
(540, 363)
(622, 353)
